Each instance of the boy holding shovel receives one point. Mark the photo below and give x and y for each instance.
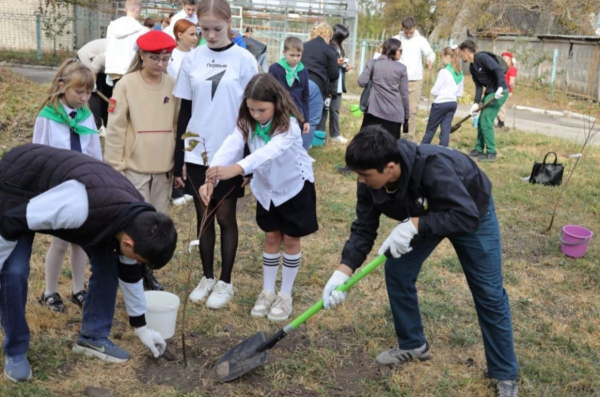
(486, 72)
(436, 193)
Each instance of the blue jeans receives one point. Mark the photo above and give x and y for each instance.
(98, 310)
(480, 256)
(315, 110)
(441, 115)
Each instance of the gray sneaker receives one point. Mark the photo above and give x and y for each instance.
(399, 356)
(16, 368)
(507, 388)
(102, 348)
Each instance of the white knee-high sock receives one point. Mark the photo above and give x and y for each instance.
(54, 260)
(270, 269)
(291, 264)
(78, 262)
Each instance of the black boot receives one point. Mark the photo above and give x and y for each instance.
(150, 283)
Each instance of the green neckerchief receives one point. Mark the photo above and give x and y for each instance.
(263, 132)
(291, 74)
(458, 77)
(62, 117)
(202, 41)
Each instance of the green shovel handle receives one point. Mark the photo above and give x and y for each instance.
(301, 319)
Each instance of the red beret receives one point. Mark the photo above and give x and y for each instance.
(156, 42)
(507, 54)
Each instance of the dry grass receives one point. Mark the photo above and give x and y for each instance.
(555, 300)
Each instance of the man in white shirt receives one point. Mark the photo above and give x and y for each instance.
(121, 36)
(188, 12)
(414, 48)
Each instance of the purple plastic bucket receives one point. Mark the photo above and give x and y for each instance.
(575, 240)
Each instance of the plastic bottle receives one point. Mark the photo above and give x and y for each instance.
(476, 121)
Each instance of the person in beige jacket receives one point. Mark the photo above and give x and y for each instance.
(142, 121)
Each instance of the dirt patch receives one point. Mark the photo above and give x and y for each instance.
(346, 378)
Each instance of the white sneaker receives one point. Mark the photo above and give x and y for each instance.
(282, 308)
(339, 139)
(178, 201)
(221, 294)
(188, 198)
(263, 304)
(202, 290)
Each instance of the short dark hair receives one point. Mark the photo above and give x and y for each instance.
(372, 148)
(149, 23)
(154, 237)
(188, 2)
(409, 23)
(390, 47)
(249, 29)
(468, 44)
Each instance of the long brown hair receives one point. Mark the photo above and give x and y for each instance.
(264, 87)
(73, 74)
(448, 51)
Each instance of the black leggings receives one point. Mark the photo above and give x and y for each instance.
(226, 217)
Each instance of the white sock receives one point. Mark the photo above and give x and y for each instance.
(270, 269)
(54, 261)
(291, 264)
(78, 262)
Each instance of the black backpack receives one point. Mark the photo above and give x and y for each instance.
(498, 59)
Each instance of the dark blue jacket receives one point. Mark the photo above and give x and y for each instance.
(443, 187)
(488, 73)
(299, 90)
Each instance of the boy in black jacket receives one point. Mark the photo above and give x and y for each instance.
(436, 193)
(486, 72)
(85, 202)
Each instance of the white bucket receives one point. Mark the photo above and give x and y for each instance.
(161, 314)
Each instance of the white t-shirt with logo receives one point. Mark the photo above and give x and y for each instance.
(176, 59)
(215, 82)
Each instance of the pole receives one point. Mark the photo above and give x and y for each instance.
(38, 35)
(553, 77)
(363, 49)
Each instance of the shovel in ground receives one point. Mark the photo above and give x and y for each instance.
(457, 125)
(253, 352)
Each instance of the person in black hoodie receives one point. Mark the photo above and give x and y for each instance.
(321, 61)
(83, 201)
(435, 193)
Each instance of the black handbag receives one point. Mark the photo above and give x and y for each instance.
(366, 94)
(549, 174)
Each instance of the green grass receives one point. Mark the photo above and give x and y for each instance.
(31, 57)
(555, 301)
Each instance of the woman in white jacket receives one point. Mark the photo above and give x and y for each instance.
(448, 87)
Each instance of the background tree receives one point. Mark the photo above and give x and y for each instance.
(56, 17)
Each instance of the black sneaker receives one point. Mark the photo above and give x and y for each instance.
(54, 302)
(150, 282)
(490, 157)
(79, 298)
(475, 153)
(500, 124)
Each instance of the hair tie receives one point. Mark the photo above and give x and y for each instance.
(453, 47)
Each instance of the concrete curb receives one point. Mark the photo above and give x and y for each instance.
(24, 65)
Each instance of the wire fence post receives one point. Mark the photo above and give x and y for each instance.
(553, 77)
(38, 35)
(363, 50)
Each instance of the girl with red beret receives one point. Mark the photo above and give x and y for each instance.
(140, 135)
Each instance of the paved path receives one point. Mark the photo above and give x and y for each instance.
(38, 75)
(563, 127)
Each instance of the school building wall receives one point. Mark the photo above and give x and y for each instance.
(578, 66)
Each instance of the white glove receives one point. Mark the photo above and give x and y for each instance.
(499, 93)
(398, 242)
(152, 340)
(331, 297)
(474, 109)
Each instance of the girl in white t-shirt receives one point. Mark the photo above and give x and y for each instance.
(211, 83)
(282, 181)
(447, 88)
(186, 35)
(65, 122)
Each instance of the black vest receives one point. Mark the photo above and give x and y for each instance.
(29, 170)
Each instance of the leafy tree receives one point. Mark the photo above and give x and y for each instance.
(56, 19)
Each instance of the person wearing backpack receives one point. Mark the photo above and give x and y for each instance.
(487, 70)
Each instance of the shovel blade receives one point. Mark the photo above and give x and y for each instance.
(240, 359)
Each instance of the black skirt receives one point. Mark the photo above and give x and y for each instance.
(196, 174)
(390, 126)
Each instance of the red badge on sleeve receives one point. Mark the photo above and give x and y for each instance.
(112, 104)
